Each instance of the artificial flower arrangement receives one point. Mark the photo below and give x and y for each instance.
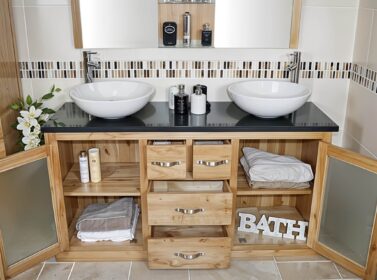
(32, 115)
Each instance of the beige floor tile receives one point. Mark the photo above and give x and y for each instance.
(100, 270)
(346, 274)
(140, 271)
(30, 274)
(308, 270)
(300, 258)
(56, 271)
(240, 270)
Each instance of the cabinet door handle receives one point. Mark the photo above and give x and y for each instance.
(166, 164)
(212, 163)
(189, 256)
(189, 211)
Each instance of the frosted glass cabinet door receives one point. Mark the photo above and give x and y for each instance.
(27, 220)
(348, 212)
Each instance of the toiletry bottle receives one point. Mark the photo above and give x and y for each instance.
(169, 33)
(187, 29)
(181, 101)
(198, 102)
(172, 92)
(206, 35)
(204, 91)
(84, 167)
(95, 165)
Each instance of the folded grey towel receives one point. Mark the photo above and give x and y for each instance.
(107, 217)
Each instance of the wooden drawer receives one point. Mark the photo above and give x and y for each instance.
(189, 203)
(212, 161)
(189, 247)
(165, 162)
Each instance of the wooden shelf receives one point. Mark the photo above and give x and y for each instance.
(243, 188)
(118, 179)
(76, 244)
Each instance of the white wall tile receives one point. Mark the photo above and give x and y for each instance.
(328, 33)
(21, 33)
(330, 96)
(371, 4)
(350, 143)
(361, 117)
(331, 3)
(50, 33)
(363, 36)
(372, 58)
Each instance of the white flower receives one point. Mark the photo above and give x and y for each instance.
(32, 113)
(35, 133)
(31, 142)
(26, 124)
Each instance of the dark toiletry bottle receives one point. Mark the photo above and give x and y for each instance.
(181, 101)
(169, 33)
(206, 36)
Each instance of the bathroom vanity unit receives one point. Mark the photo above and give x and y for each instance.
(190, 191)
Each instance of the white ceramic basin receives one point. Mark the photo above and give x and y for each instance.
(268, 99)
(112, 100)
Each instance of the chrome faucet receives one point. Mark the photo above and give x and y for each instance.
(89, 66)
(294, 67)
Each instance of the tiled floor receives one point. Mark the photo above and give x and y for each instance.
(280, 268)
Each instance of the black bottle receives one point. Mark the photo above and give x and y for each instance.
(206, 36)
(181, 101)
(169, 33)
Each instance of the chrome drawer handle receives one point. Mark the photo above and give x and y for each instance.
(189, 256)
(189, 211)
(166, 164)
(212, 163)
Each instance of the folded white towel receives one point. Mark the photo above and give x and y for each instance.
(268, 167)
(112, 235)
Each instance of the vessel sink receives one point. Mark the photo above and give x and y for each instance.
(112, 100)
(268, 99)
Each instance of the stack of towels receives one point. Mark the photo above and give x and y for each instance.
(114, 221)
(267, 170)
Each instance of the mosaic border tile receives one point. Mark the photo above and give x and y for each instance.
(365, 77)
(185, 69)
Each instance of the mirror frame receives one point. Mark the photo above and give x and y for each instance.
(295, 26)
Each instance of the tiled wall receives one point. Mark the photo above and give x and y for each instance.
(44, 35)
(360, 124)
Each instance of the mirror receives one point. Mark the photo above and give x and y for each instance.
(139, 24)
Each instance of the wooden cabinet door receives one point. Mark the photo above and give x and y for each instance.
(343, 219)
(28, 227)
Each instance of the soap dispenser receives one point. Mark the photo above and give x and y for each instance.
(181, 101)
(198, 102)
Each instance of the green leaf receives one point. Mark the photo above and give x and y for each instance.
(38, 105)
(52, 89)
(47, 96)
(15, 106)
(58, 90)
(48, 111)
(29, 101)
(61, 124)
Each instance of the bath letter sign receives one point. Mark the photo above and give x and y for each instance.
(248, 223)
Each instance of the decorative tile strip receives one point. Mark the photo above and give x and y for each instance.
(185, 69)
(364, 77)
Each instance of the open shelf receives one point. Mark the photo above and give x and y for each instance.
(76, 244)
(243, 188)
(118, 179)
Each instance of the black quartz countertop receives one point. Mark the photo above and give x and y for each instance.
(223, 117)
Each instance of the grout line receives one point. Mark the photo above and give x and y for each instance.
(341, 277)
(318, 261)
(40, 272)
(70, 273)
(129, 271)
(277, 268)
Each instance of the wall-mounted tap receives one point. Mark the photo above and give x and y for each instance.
(89, 66)
(294, 67)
